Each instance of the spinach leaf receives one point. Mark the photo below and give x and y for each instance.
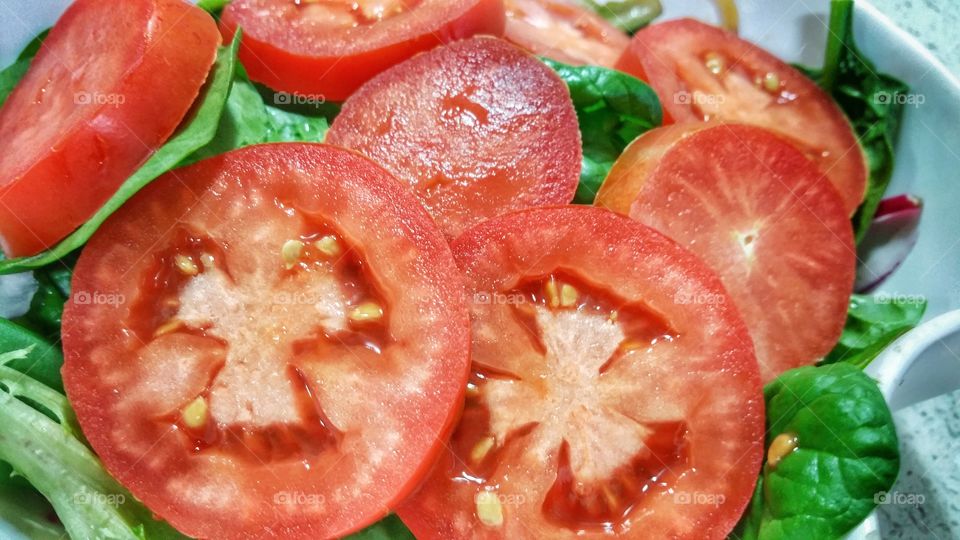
(872, 324)
(871, 100)
(195, 132)
(46, 308)
(42, 359)
(613, 109)
(11, 75)
(846, 453)
(628, 15)
(42, 442)
(248, 119)
(389, 528)
(212, 6)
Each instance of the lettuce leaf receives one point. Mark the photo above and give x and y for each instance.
(40, 439)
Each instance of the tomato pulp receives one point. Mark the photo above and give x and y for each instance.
(252, 354)
(94, 105)
(602, 402)
(761, 215)
(328, 49)
(476, 128)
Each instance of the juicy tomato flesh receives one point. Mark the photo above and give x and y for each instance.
(761, 215)
(704, 73)
(595, 396)
(268, 359)
(89, 111)
(330, 48)
(564, 32)
(455, 124)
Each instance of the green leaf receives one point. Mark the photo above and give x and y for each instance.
(29, 513)
(193, 135)
(613, 109)
(10, 76)
(42, 361)
(847, 453)
(212, 6)
(248, 119)
(872, 101)
(390, 528)
(48, 451)
(46, 308)
(873, 323)
(628, 15)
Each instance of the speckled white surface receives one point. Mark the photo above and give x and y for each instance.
(933, 22)
(925, 502)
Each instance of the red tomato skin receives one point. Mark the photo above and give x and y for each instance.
(641, 185)
(117, 244)
(510, 159)
(335, 77)
(430, 510)
(820, 124)
(58, 191)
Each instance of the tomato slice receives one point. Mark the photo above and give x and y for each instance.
(702, 72)
(564, 31)
(93, 107)
(600, 405)
(476, 128)
(327, 49)
(761, 215)
(248, 351)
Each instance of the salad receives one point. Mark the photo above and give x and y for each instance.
(442, 269)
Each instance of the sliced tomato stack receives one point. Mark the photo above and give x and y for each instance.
(702, 72)
(110, 84)
(564, 31)
(476, 128)
(330, 48)
(761, 215)
(601, 402)
(247, 351)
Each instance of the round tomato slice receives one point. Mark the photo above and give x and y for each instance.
(476, 128)
(761, 215)
(93, 107)
(328, 49)
(249, 353)
(702, 72)
(564, 31)
(614, 390)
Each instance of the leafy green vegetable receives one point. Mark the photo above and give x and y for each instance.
(390, 528)
(628, 15)
(872, 101)
(613, 109)
(212, 6)
(46, 308)
(872, 324)
(42, 360)
(11, 75)
(193, 135)
(247, 120)
(29, 513)
(846, 454)
(41, 440)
